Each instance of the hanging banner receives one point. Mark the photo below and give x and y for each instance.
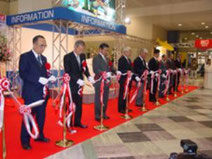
(203, 44)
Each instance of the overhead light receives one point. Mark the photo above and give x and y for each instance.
(186, 38)
(206, 27)
(193, 33)
(127, 20)
(203, 23)
(179, 25)
(197, 36)
(200, 37)
(211, 32)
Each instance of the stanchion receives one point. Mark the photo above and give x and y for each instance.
(157, 103)
(175, 86)
(186, 85)
(144, 109)
(4, 151)
(182, 82)
(64, 142)
(126, 115)
(101, 127)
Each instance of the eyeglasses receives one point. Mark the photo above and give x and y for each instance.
(42, 46)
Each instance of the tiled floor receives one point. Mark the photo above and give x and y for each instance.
(155, 134)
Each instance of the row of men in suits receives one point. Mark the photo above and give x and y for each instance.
(34, 75)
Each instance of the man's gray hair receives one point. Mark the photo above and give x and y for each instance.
(143, 50)
(78, 43)
(125, 49)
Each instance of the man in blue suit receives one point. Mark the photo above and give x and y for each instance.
(34, 75)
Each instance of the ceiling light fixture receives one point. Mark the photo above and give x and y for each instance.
(206, 27)
(211, 32)
(203, 23)
(197, 36)
(179, 25)
(127, 20)
(193, 33)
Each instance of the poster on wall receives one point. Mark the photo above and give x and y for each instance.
(103, 9)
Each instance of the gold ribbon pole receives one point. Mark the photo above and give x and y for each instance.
(157, 103)
(175, 86)
(126, 115)
(64, 142)
(4, 151)
(101, 127)
(144, 109)
(182, 83)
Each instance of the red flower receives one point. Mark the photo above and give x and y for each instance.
(47, 66)
(110, 63)
(84, 64)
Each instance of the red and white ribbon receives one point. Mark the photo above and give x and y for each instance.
(153, 75)
(84, 65)
(167, 81)
(126, 85)
(4, 85)
(66, 92)
(25, 110)
(144, 78)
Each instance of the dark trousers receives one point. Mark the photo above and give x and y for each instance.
(39, 113)
(153, 94)
(97, 99)
(77, 99)
(121, 101)
(162, 87)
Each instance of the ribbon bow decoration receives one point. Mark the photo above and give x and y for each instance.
(127, 82)
(66, 93)
(25, 110)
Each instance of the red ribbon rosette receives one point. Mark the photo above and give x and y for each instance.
(84, 65)
(4, 83)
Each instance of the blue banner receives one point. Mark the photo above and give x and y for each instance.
(64, 14)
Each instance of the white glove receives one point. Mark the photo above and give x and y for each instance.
(151, 72)
(52, 78)
(164, 76)
(91, 80)
(80, 82)
(108, 74)
(43, 80)
(118, 72)
(137, 79)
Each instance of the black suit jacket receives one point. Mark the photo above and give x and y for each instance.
(170, 64)
(75, 71)
(153, 64)
(178, 63)
(139, 66)
(124, 66)
(30, 71)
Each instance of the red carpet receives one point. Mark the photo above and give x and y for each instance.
(54, 132)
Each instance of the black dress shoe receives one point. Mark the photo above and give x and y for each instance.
(152, 100)
(97, 119)
(81, 126)
(139, 105)
(122, 111)
(42, 139)
(26, 147)
(129, 110)
(106, 117)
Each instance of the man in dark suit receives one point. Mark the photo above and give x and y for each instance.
(124, 65)
(163, 67)
(154, 66)
(100, 65)
(178, 66)
(139, 68)
(73, 65)
(171, 65)
(34, 75)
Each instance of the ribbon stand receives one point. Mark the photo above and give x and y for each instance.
(186, 82)
(167, 92)
(126, 115)
(4, 150)
(144, 109)
(64, 142)
(175, 85)
(102, 127)
(182, 81)
(157, 103)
